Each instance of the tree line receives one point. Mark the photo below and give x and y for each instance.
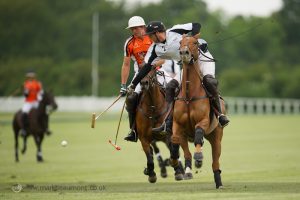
(256, 56)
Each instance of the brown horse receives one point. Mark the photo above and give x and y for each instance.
(193, 117)
(38, 124)
(151, 112)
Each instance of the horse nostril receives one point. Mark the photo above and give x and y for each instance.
(186, 52)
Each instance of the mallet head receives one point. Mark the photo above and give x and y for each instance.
(93, 120)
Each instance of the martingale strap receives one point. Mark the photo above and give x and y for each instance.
(155, 117)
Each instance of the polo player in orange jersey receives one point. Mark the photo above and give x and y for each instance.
(135, 48)
(33, 92)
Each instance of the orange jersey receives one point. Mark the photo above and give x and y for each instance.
(32, 88)
(137, 48)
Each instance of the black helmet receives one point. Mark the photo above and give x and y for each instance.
(155, 26)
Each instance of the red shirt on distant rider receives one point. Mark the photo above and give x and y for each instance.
(33, 94)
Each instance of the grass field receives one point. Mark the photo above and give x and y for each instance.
(260, 160)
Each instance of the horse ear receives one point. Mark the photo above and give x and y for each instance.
(197, 36)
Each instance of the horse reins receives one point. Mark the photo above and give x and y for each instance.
(152, 116)
(187, 99)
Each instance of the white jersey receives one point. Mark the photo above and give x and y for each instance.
(171, 67)
(170, 49)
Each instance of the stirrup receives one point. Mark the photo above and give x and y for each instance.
(223, 122)
(132, 136)
(161, 128)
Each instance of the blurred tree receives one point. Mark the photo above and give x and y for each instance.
(256, 56)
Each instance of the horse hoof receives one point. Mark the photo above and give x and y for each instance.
(198, 157)
(23, 151)
(220, 187)
(152, 179)
(40, 159)
(164, 175)
(188, 176)
(198, 163)
(218, 180)
(163, 172)
(178, 177)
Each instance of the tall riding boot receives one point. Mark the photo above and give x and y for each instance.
(24, 124)
(132, 136)
(131, 104)
(223, 120)
(211, 85)
(170, 96)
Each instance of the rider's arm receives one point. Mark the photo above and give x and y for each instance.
(193, 28)
(125, 70)
(196, 28)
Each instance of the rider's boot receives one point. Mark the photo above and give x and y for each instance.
(24, 124)
(170, 96)
(131, 104)
(211, 85)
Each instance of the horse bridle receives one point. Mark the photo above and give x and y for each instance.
(187, 52)
(152, 81)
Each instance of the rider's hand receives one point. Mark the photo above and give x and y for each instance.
(123, 90)
(130, 88)
(159, 63)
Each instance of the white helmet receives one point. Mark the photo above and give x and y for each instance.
(135, 21)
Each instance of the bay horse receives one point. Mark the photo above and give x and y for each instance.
(151, 111)
(193, 117)
(37, 124)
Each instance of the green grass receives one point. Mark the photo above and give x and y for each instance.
(260, 160)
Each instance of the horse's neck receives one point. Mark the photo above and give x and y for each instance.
(41, 109)
(192, 80)
(153, 96)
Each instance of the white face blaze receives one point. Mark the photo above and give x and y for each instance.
(185, 54)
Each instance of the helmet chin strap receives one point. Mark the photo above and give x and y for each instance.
(158, 41)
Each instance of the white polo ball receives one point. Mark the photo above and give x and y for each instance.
(64, 143)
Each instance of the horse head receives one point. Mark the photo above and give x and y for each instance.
(149, 81)
(48, 102)
(188, 50)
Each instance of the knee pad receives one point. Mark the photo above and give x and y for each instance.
(171, 90)
(173, 84)
(131, 102)
(211, 84)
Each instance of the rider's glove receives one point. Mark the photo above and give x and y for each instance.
(123, 90)
(130, 88)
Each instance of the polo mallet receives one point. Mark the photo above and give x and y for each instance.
(115, 144)
(94, 117)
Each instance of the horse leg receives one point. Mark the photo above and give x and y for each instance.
(16, 146)
(188, 160)
(38, 141)
(24, 144)
(215, 139)
(150, 164)
(198, 141)
(163, 170)
(174, 151)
